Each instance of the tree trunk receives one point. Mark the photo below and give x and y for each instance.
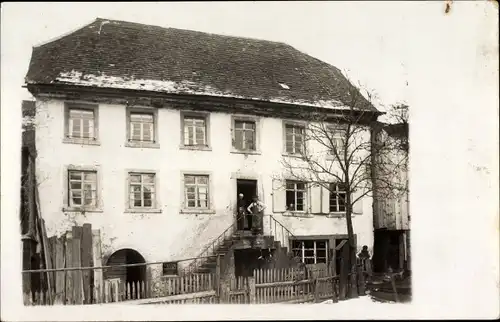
(350, 233)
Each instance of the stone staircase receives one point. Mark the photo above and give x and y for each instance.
(206, 261)
(238, 240)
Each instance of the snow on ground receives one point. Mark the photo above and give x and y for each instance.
(361, 301)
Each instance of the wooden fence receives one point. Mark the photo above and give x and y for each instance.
(68, 284)
(294, 285)
(194, 288)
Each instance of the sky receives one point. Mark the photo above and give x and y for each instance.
(370, 48)
(444, 65)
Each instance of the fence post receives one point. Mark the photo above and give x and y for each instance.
(342, 280)
(361, 281)
(353, 289)
(316, 290)
(217, 276)
(251, 290)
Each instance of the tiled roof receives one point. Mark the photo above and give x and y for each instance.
(118, 54)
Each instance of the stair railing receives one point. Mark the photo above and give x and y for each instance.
(285, 232)
(210, 248)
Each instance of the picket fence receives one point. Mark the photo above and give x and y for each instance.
(294, 285)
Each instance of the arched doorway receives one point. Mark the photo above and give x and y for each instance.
(128, 274)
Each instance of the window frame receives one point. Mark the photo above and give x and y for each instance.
(336, 135)
(305, 196)
(210, 200)
(248, 119)
(198, 115)
(67, 207)
(314, 249)
(176, 268)
(155, 144)
(77, 105)
(303, 125)
(156, 208)
(337, 191)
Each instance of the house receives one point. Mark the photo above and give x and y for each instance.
(150, 134)
(391, 216)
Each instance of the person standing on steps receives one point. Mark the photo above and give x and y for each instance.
(241, 212)
(256, 213)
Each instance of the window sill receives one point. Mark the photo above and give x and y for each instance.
(335, 215)
(143, 211)
(198, 211)
(300, 214)
(145, 145)
(235, 151)
(196, 148)
(82, 210)
(292, 155)
(81, 141)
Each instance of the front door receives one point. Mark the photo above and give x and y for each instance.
(248, 188)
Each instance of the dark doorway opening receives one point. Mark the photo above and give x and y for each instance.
(128, 274)
(388, 250)
(249, 189)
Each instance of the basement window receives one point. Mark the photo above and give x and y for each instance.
(170, 268)
(311, 251)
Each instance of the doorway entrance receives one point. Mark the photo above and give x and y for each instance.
(249, 189)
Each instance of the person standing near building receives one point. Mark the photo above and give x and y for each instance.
(241, 212)
(256, 213)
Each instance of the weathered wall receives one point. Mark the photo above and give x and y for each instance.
(169, 235)
(391, 209)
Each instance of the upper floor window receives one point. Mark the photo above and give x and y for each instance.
(142, 190)
(196, 189)
(311, 251)
(81, 123)
(142, 127)
(294, 138)
(296, 195)
(244, 135)
(82, 189)
(337, 197)
(337, 143)
(195, 130)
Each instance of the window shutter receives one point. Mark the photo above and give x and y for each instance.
(325, 201)
(357, 208)
(279, 195)
(315, 199)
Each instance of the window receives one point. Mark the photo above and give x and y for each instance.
(244, 135)
(337, 197)
(142, 190)
(311, 251)
(195, 131)
(82, 189)
(170, 268)
(196, 191)
(141, 127)
(337, 138)
(294, 139)
(295, 195)
(81, 123)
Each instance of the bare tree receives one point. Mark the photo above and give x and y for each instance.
(337, 153)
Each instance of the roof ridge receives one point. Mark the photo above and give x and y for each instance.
(43, 43)
(140, 24)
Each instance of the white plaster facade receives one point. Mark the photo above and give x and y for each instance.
(170, 234)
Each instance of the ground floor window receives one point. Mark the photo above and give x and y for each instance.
(311, 251)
